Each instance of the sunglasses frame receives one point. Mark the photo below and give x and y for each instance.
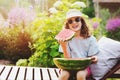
(77, 19)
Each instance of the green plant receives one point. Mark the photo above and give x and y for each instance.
(3, 44)
(46, 47)
(95, 22)
(89, 10)
(22, 62)
(16, 44)
(104, 19)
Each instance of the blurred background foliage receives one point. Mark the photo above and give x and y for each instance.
(28, 28)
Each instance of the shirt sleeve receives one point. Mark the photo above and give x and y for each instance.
(60, 49)
(93, 47)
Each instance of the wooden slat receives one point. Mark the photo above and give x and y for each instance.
(53, 74)
(57, 71)
(45, 74)
(21, 73)
(115, 75)
(5, 73)
(1, 69)
(112, 73)
(13, 73)
(29, 73)
(37, 74)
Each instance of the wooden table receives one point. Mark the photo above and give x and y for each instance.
(34, 73)
(28, 73)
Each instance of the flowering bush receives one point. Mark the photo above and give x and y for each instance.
(20, 16)
(113, 28)
(15, 44)
(95, 24)
(113, 24)
(78, 4)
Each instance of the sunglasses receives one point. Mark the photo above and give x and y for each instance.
(77, 19)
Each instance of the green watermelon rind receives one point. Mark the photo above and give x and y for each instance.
(70, 37)
(72, 64)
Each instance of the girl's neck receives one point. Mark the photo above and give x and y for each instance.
(77, 35)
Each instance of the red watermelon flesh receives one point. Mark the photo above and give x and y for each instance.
(65, 34)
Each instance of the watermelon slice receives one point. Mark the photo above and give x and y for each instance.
(72, 64)
(65, 35)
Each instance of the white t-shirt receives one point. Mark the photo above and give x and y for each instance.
(82, 48)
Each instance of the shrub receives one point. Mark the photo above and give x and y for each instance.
(15, 38)
(104, 19)
(22, 62)
(89, 10)
(113, 28)
(95, 23)
(46, 47)
(16, 44)
(3, 44)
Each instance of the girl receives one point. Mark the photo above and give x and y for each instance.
(82, 45)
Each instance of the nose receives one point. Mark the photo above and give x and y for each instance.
(74, 22)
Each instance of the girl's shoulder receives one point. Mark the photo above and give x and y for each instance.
(92, 38)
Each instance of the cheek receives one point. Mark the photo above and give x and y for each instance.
(80, 23)
(70, 26)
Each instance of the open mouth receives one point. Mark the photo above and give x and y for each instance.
(76, 26)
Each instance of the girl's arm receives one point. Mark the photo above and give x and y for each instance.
(64, 47)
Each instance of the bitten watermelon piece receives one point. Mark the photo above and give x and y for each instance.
(65, 35)
(72, 64)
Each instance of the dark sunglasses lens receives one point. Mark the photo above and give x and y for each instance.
(77, 19)
(70, 21)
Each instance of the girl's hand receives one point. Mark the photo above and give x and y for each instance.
(63, 43)
(94, 59)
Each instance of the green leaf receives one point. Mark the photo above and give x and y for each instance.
(54, 53)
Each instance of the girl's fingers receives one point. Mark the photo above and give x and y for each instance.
(94, 59)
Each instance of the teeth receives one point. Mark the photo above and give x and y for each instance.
(74, 26)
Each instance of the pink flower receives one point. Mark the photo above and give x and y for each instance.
(113, 24)
(19, 16)
(95, 25)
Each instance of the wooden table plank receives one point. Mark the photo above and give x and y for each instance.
(13, 73)
(45, 74)
(29, 73)
(21, 73)
(58, 71)
(53, 74)
(37, 75)
(1, 69)
(5, 73)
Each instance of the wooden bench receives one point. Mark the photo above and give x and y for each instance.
(28, 73)
(114, 72)
(35, 73)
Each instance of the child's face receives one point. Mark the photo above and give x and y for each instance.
(74, 23)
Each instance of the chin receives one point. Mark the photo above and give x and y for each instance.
(75, 30)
